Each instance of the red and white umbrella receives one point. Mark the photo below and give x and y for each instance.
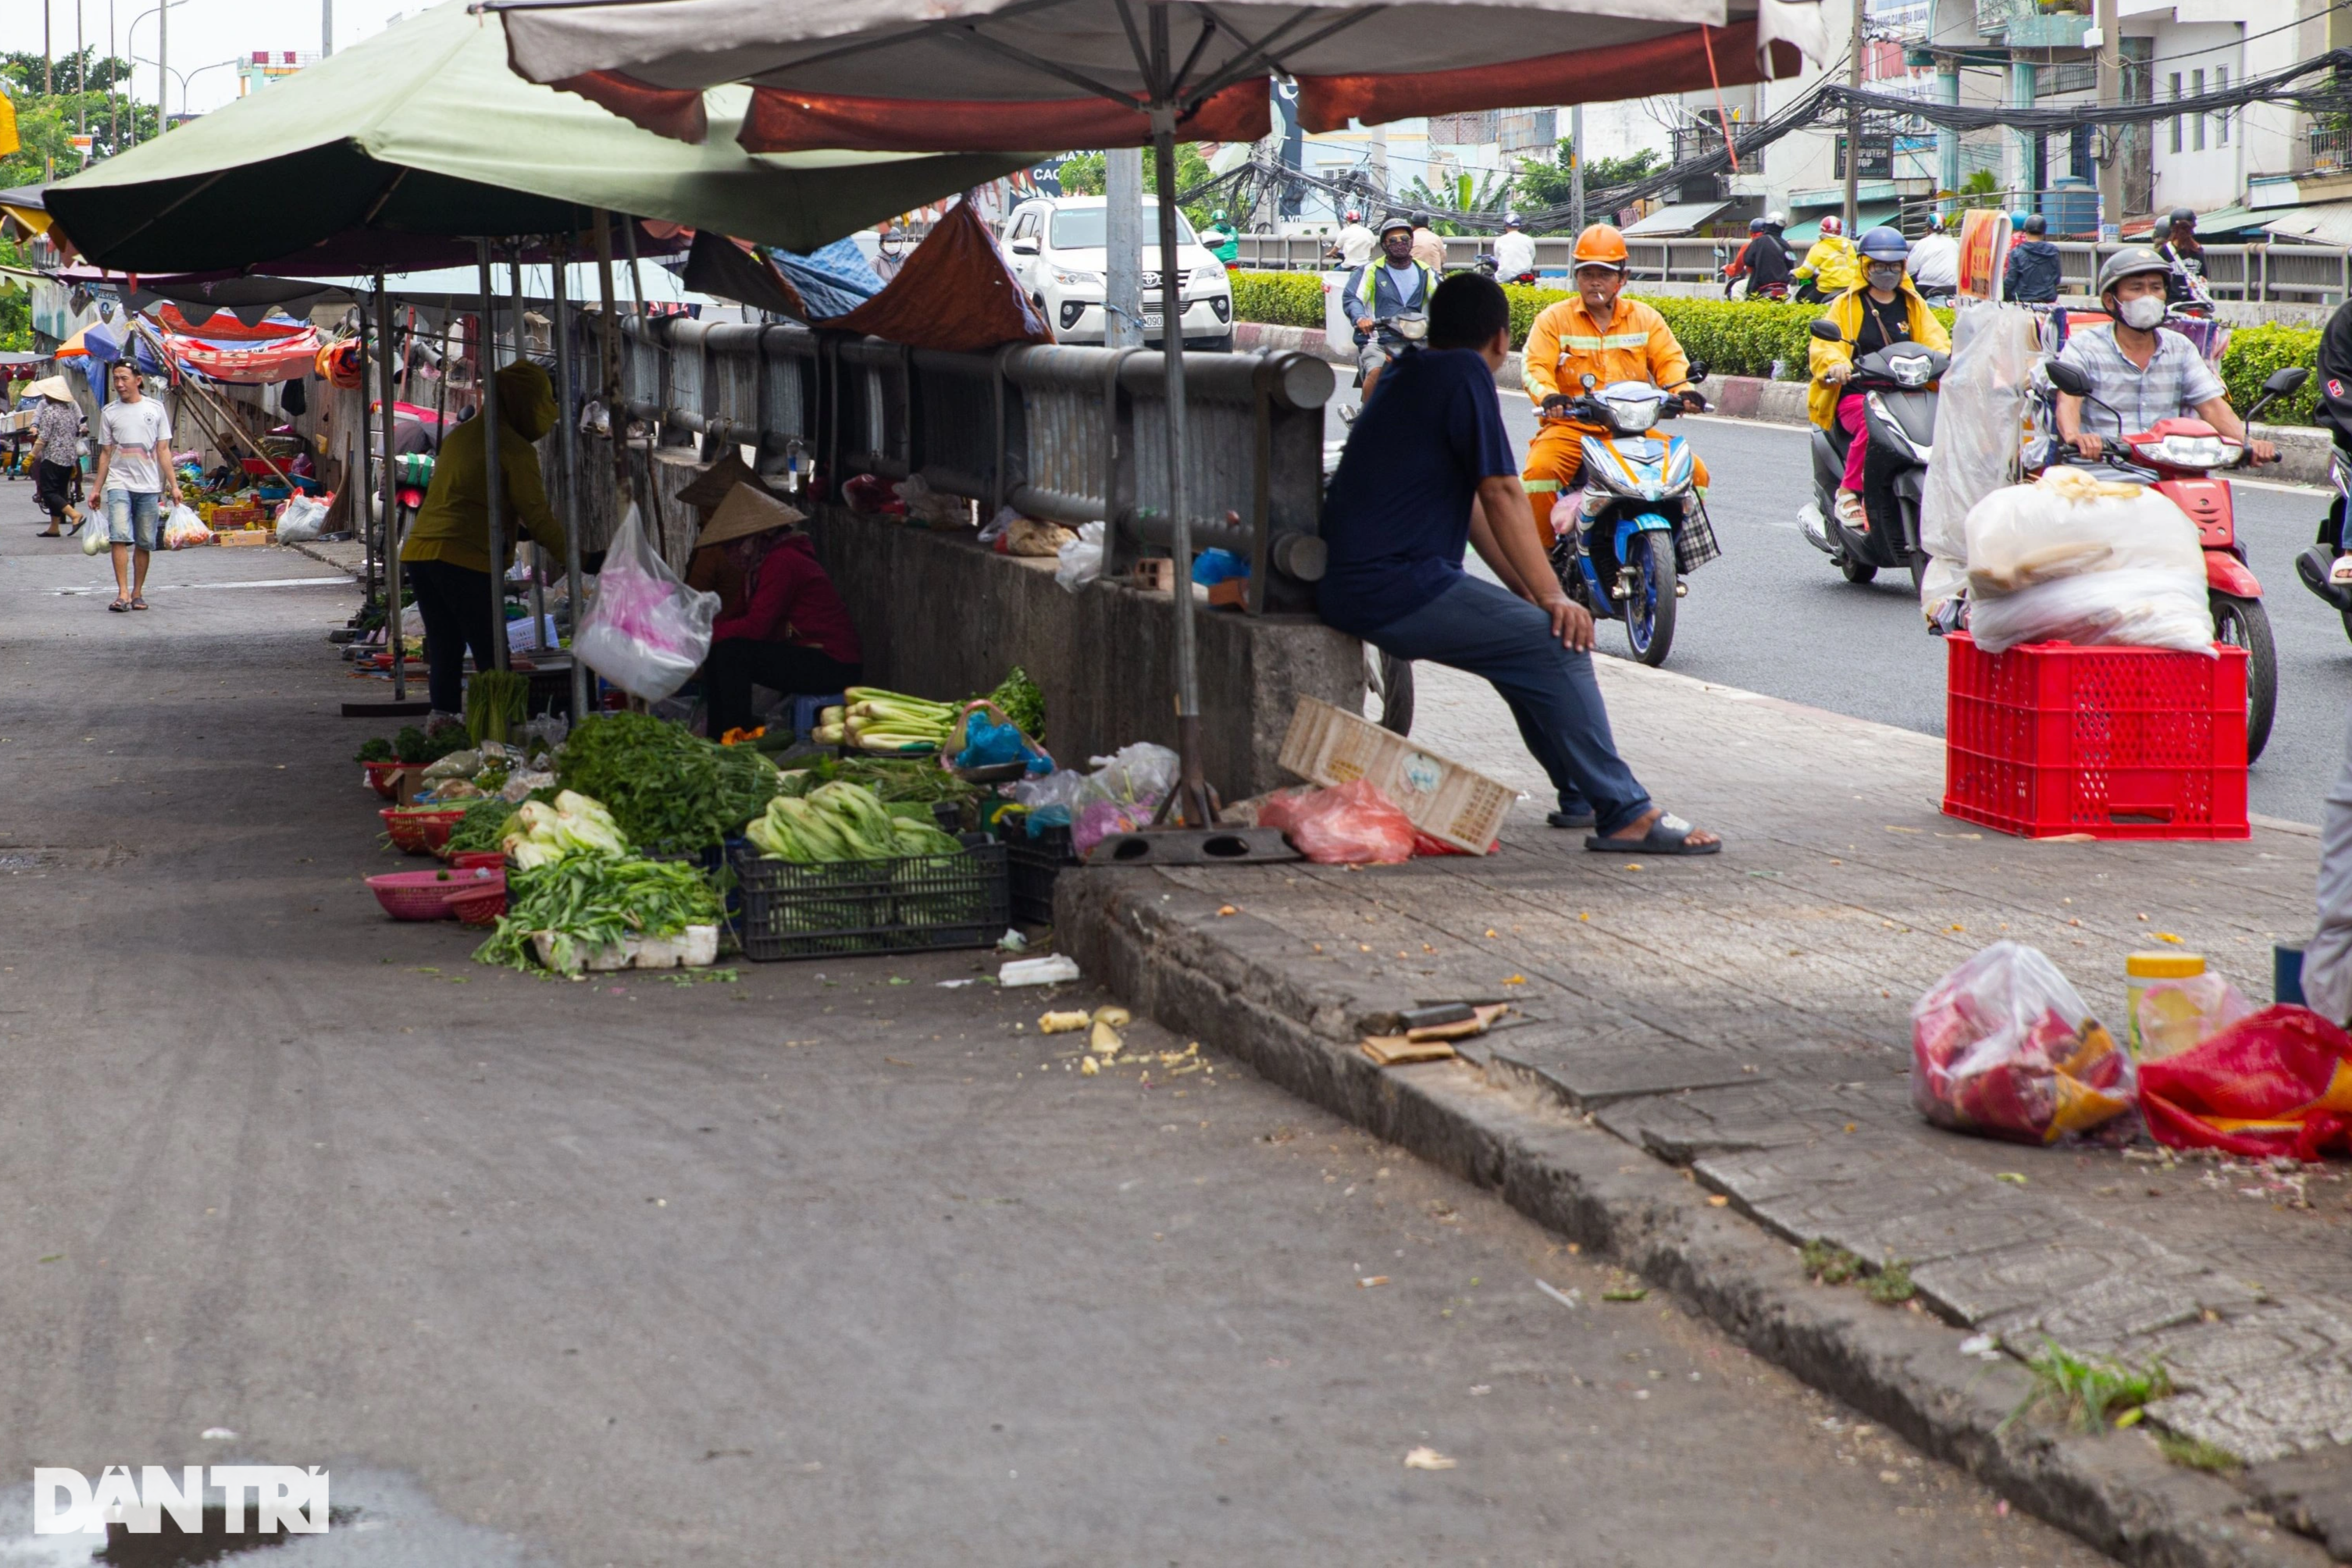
(1019, 75)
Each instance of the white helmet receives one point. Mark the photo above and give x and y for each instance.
(1510, 220)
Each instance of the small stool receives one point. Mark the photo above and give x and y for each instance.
(806, 709)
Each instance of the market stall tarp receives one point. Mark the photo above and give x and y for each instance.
(246, 361)
(422, 131)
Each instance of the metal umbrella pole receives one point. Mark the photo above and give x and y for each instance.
(567, 424)
(1193, 806)
(366, 476)
(494, 501)
(538, 556)
(391, 524)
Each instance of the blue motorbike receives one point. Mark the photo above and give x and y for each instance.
(1623, 549)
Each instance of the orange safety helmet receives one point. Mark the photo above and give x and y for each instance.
(1599, 246)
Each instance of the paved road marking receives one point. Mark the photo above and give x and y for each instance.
(167, 587)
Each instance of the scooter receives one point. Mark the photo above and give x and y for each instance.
(2175, 459)
(1620, 552)
(2317, 562)
(1898, 385)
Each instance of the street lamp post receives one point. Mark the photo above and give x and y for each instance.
(162, 52)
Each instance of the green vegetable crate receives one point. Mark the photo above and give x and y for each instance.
(912, 905)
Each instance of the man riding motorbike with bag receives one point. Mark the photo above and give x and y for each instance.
(1882, 307)
(1388, 299)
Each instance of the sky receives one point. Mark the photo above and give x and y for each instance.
(202, 32)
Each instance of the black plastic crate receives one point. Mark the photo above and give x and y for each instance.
(1030, 867)
(909, 905)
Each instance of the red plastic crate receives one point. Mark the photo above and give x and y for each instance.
(2117, 742)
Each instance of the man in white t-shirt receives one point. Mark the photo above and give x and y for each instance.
(134, 462)
(1515, 251)
(1357, 243)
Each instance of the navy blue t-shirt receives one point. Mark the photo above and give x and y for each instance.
(1396, 517)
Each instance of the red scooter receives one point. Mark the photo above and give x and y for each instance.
(2178, 459)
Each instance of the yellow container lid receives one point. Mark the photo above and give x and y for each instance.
(2164, 965)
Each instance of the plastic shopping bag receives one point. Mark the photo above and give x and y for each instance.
(2003, 1046)
(2067, 524)
(299, 520)
(1098, 819)
(1979, 412)
(646, 631)
(2279, 1082)
(2174, 1015)
(1351, 824)
(98, 531)
(2139, 609)
(1082, 558)
(185, 529)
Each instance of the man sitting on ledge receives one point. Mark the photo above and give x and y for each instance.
(1428, 469)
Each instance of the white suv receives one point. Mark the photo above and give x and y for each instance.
(1055, 247)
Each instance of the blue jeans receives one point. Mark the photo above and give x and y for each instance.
(133, 517)
(1487, 631)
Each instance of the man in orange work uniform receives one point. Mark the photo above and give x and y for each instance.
(1595, 334)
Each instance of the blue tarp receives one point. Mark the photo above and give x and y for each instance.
(832, 281)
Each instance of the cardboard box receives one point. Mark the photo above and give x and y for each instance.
(1445, 800)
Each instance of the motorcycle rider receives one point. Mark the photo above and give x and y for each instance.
(1595, 333)
(1830, 268)
(1936, 262)
(1224, 239)
(2326, 567)
(2142, 374)
(1884, 307)
(1391, 284)
(1514, 250)
(1427, 249)
(2031, 277)
(2184, 254)
(1357, 243)
(1764, 261)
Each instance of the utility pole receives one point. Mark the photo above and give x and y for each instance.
(113, 95)
(164, 82)
(2111, 92)
(1123, 247)
(1854, 125)
(48, 81)
(326, 29)
(1381, 168)
(1576, 167)
(81, 80)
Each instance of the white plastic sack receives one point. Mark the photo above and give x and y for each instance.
(184, 528)
(1979, 413)
(2035, 533)
(299, 520)
(646, 631)
(1140, 771)
(1082, 558)
(2137, 608)
(96, 532)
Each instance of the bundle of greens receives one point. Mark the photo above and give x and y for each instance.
(890, 722)
(584, 903)
(841, 821)
(892, 779)
(377, 750)
(497, 701)
(483, 827)
(414, 745)
(670, 792)
(1022, 702)
(539, 835)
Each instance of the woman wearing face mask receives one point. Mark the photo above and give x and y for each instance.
(1886, 309)
(2139, 374)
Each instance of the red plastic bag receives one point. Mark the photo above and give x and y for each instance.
(2279, 1082)
(1351, 824)
(2004, 1046)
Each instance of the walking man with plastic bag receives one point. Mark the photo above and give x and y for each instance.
(134, 462)
(447, 555)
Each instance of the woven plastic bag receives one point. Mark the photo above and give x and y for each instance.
(2003, 1046)
(2279, 1082)
(646, 631)
(1351, 824)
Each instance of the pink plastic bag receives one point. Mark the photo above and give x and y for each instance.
(1098, 819)
(2004, 1046)
(646, 631)
(1351, 824)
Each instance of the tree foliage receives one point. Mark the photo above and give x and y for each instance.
(1081, 175)
(87, 92)
(1550, 182)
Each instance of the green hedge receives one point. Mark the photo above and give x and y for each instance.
(2254, 353)
(1278, 299)
(1735, 337)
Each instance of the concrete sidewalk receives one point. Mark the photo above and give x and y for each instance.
(1712, 1068)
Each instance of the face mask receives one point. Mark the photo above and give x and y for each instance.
(1885, 276)
(2144, 312)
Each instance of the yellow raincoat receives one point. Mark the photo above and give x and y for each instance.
(453, 524)
(1821, 403)
(1833, 264)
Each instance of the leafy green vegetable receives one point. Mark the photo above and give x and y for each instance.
(670, 792)
(414, 745)
(891, 779)
(482, 827)
(842, 821)
(495, 700)
(1023, 702)
(378, 749)
(595, 900)
(540, 834)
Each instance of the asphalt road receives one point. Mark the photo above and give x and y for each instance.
(822, 1263)
(1773, 616)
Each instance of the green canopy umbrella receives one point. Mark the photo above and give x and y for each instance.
(383, 153)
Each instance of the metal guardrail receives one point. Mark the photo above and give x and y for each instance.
(2281, 272)
(1072, 435)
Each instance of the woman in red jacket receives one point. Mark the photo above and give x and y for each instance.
(781, 623)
